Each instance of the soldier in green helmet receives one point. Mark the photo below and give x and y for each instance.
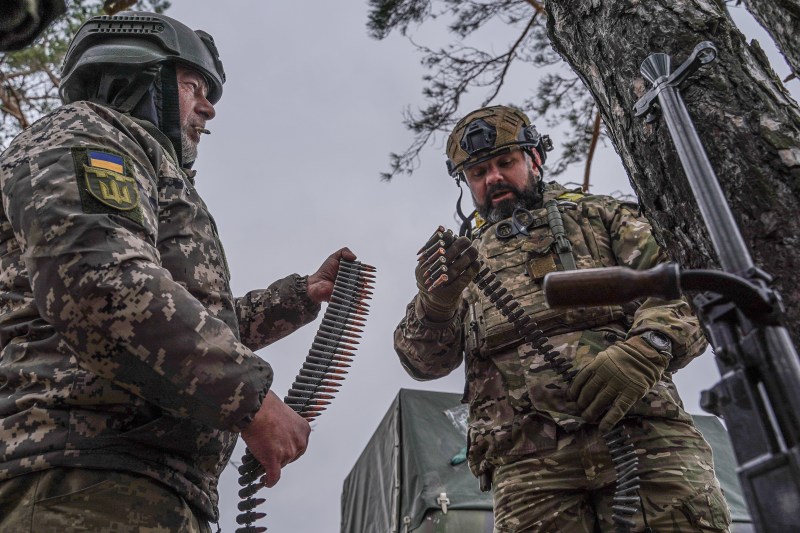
(539, 435)
(127, 368)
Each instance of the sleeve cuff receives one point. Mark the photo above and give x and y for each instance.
(261, 381)
(419, 312)
(301, 288)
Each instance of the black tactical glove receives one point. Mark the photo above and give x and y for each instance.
(616, 379)
(446, 266)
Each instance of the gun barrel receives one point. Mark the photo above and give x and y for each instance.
(610, 286)
(733, 253)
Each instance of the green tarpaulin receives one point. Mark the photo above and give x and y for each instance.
(398, 481)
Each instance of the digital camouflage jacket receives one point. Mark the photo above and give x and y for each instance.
(518, 403)
(122, 346)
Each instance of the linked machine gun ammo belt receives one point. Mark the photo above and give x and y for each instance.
(626, 500)
(758, 395)
(320, 376)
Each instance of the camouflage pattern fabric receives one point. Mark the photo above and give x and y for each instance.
(66, 499)
(570, 489)
(518, 404)
(122, 345)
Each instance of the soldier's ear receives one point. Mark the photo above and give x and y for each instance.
(537, 158)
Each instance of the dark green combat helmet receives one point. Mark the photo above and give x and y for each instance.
(127, 61)
(489, 132)
(130, 42)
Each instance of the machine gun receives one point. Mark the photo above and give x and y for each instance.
(758, 395)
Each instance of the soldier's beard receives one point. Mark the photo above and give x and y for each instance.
(188, 148)
(526, 198)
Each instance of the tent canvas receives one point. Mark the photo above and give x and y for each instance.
(396, 483)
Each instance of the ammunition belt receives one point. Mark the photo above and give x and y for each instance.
(321, 374)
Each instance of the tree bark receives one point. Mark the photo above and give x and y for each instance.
(781, 19)
(749, 125)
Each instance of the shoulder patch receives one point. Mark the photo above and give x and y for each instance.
(106, 183)
(571, 196)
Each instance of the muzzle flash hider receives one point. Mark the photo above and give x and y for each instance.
(319, 378)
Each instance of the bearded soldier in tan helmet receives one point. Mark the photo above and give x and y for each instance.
(540, 433)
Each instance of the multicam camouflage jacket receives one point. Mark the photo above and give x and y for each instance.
(518, 403)
(122, 346)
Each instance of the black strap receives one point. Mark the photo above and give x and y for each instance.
(466, 221)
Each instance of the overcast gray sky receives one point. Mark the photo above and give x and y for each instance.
(311, 109)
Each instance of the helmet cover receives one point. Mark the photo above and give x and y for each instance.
(488, 132)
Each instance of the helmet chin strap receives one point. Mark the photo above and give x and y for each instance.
(466, 221)
(169, 109)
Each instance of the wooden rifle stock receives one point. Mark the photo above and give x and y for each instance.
(610, 286)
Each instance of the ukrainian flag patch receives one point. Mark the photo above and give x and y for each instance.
(106, 183)
(107, 161)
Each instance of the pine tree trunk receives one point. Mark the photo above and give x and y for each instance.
(749, 125)
(781, 19)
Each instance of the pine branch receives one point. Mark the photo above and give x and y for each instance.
(510, 57)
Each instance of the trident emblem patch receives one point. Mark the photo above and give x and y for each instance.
(111, 188)
(106, 183)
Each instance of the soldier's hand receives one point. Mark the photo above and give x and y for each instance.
(276, 437)
(618, 377)
(444, 269)
(320, 283)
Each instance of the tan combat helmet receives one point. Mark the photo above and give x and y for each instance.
(491, 131)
